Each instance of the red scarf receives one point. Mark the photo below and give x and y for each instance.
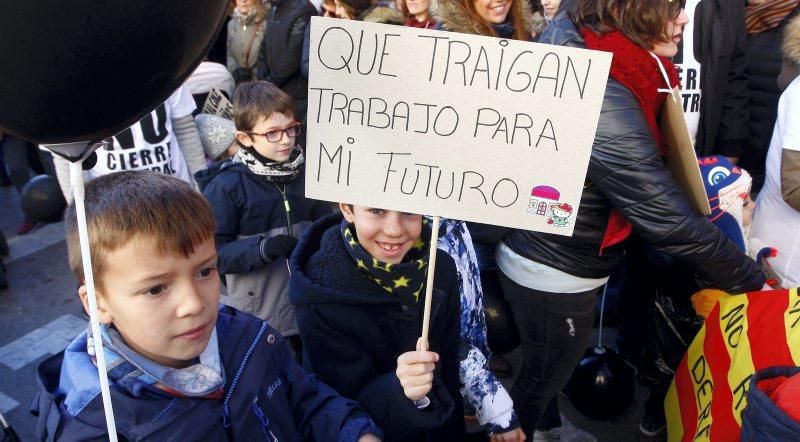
(638, 71)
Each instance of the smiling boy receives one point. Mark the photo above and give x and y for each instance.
(259, 205)
(179, 367)
(358, 282)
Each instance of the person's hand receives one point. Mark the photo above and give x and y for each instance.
(277, 247)
(369, 437)
(516, 435)
(415, 372)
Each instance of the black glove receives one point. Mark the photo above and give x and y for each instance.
(241, 75)
(276, 247)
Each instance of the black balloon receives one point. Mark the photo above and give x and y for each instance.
(42, 200)
(603, 384)
(501, 330)
(83, 70)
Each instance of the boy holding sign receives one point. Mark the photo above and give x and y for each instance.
(358, 285)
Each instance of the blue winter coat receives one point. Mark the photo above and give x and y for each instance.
(267, 397)
(247, 208)
(353, 332)
(762, 420)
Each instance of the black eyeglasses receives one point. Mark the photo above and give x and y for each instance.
(274, 136)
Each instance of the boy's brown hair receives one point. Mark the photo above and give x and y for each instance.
(123, 205)
(256, 99)
(642, 21)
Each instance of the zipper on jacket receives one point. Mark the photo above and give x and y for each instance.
(226, 412)
(287, 207)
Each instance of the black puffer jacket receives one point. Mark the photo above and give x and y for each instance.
(282, 47)
(626, 172)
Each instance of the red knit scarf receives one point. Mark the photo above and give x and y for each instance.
(638, 71)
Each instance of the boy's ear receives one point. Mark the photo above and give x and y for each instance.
(244, 138)
(104, 315)
(347, 211)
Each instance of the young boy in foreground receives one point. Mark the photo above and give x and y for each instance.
(358, 285)
(179, 366)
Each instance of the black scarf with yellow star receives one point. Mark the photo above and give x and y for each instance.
(405, 280)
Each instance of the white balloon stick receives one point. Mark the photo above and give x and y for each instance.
(76, 180)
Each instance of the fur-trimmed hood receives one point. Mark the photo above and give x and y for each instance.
(382, 14)
(791, 41)
(454, 19)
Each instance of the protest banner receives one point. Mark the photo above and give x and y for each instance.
(467, 127)
(742, 335)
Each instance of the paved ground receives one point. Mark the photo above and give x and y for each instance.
(40, 313)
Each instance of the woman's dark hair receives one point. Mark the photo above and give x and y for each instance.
(642, 21)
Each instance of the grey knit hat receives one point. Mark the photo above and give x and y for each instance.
(216, 134)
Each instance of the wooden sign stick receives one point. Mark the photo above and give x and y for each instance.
(426, 317)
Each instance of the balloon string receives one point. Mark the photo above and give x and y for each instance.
(602, 311)
(76, 179)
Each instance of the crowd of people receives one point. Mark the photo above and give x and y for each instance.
(318, 338)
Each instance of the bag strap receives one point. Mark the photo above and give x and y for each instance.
(668, 89)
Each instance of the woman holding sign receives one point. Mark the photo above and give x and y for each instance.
(552, 281)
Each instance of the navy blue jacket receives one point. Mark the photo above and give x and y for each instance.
(762, 420)
(246, 209)
(267, 395)
(353, 332)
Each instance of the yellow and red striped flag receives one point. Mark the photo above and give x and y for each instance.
(743, 334)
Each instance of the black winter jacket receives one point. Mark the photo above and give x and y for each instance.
(626, 172)
(282, 46)
(353, 332)
(720, 45)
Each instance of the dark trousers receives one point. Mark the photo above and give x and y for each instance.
(555, 329)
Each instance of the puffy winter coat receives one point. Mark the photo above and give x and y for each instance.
(267, 397)
(247, 209)
(353, 332)
(626, 172)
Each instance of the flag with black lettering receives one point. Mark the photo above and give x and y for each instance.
(743, 334)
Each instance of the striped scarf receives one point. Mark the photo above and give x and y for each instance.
(767, 15)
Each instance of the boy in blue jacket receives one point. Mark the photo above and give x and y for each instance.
(259, 204)
(358, 285)
(179, 367)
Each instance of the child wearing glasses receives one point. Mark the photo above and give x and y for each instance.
(259, 206)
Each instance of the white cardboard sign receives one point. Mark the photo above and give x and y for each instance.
(472, 128)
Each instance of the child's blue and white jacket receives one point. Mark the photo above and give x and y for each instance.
(479, 386)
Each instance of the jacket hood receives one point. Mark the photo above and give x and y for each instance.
(203, 177)
(321, 246)
(453, 19)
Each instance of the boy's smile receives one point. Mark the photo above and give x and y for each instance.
(164, 306)
(387, 235)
